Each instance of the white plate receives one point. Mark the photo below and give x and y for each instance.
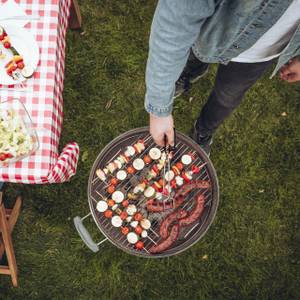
(23, 41)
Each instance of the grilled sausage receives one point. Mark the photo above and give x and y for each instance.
(168, 242)
(155, 206)
(169, 220)
(195, 184)
(195, 213)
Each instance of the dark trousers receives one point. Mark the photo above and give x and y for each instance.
(231, 84)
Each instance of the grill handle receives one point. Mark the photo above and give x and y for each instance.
(85, 235)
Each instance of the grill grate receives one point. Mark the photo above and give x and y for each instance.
(189, 234)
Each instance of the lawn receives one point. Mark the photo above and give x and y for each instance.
(252, 249)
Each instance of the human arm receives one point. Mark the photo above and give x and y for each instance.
(176, 25)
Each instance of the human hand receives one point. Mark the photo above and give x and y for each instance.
(291, 71)
(161, 127)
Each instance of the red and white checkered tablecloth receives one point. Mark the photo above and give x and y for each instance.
(43, 98)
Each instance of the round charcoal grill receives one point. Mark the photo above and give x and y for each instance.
(188, 235)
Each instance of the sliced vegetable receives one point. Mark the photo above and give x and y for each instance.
(169, 175)
(121, 175)
(102, 206)
(155, 153)
(131, 209)
(144, 234)
(146, 224)
(118, 196)
(101, 175)
(138, 164)
(149, 192)
(116, 221)
(132, 237)
(134, 224)
(186, 159)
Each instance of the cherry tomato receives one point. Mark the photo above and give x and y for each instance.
(20, 65)
(125, 203)
(2, 37)
(195, 169)
(2, 156)
(108, 213)
(114, 181)
(125, 230)
(138, 229)
(173, 184)
(7, 45)
(139, 245)
(111, 189)
(130, 170)
(179, 165)
(123, 215)
(138, 216)
(9, 155)
(147, 159)
(111, 202)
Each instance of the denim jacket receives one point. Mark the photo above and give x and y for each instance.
(217, 30)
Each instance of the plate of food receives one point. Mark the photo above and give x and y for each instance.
(19, 54)
(18, 137)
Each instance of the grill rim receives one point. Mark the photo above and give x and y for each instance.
(189, 242)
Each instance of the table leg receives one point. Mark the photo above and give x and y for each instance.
(75, 21)
(8, 220)
(12, 217)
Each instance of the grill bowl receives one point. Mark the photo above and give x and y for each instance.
(188, 235)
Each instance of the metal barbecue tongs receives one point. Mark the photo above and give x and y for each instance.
(168, 150)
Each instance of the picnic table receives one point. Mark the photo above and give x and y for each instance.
(42, 97)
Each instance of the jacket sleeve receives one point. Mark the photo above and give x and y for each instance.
(175, 27)
(290, 52)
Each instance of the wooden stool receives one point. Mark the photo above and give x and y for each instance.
(75, 21)
(8, 219)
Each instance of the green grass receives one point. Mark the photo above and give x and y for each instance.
(253, 246)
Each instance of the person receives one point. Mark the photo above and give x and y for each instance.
(244, 36)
